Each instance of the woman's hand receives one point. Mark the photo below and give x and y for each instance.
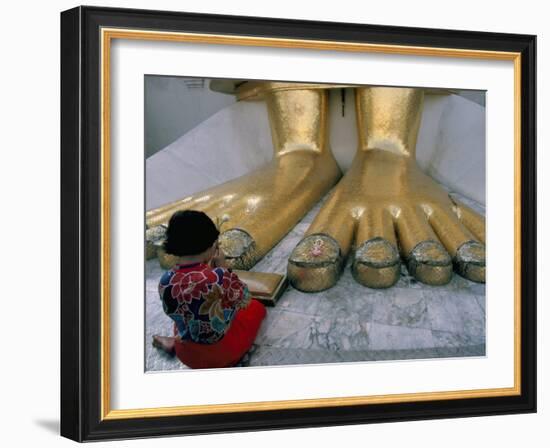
(218, 259)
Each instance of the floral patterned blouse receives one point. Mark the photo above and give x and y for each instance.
(202, 301)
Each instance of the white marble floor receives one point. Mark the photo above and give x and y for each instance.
(349, 322)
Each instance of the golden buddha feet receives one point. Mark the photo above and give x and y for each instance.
(386, 210)
(411, 219)
(255, 211)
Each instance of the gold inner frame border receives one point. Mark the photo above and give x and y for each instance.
(107, 35)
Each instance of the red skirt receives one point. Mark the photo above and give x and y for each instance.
(231, 348)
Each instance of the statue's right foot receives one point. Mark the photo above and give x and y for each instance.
(388, 210)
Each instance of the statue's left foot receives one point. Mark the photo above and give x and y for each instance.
(254, 212)
(385, 209)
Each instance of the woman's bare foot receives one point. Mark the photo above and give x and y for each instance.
(165, 343)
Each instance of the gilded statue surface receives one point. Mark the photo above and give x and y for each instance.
(382, 212)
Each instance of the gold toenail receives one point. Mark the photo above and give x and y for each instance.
(470, 261)
(376, 264)
(310, 270)
(239, 248)
(430, 263)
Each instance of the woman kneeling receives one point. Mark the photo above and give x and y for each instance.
(215, 320)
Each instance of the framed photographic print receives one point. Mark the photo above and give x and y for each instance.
(273, 223)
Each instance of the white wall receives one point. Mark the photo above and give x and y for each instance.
(173, 107)
(30, 197)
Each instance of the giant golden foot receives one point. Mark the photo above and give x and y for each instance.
(255, 211)
(386, 209)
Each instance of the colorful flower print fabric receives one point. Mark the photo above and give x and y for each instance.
(202, 301)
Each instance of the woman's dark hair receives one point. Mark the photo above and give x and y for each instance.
(189, 232)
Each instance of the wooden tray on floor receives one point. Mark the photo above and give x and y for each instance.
(267, 287)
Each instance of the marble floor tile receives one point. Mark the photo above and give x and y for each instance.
(456, 340)
(481, 300)
(404, 307)
(392, 337)
(287, 330)
(298, 302)
(456, 313)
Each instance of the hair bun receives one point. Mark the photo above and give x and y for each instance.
(190, 232)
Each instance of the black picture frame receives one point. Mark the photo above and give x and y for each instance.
(81, 214)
